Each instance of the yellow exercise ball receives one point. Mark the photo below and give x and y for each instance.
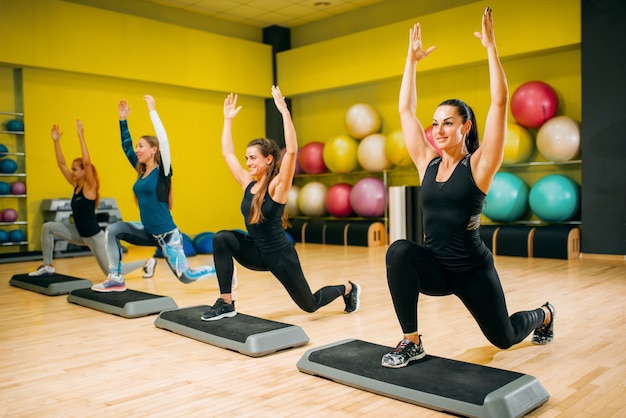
(340, 154)
(396, 151)
(558, 139)
(518, 146)
(361, 120)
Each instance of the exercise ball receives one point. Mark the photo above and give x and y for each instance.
(396, 151)
(519, 145)
(8, 166)
(361, 120)
(340, 154)
(554, 198)
(203, 242)
(4, 236)
(16, 235)
(371, 153)
(311, 158)
(292, 201)
(15, 125)
(3, 150)
(338, 200)
(507, 199)
(5, 188)
(18, 187)
(9, 215)
(368, 197)
(312, 199)
(533, 103)
(559, 139)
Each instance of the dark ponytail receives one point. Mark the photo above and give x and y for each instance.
(466, 112)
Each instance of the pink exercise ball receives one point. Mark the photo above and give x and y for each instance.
(559, 139)
(9, 215)
(311, 158)
(312, 199)
(18, 187)
(371, 153)
(431, 140)
(292, 201)
(361, 120)
(338, 200)
(533, 103)
(368, 197)
(340, 154)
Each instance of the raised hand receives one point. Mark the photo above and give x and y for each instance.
(150, 102)
(230, 106)
(123, 109)
(56, 132)
(279, 100)
(80, 129)
(486, 37)
(416, 49)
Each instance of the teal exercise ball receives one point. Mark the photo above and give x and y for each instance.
(3, 150)
(15, 125)
(16, 236)
(4, 236)
(555, 198)
(507, 199)
(203, 242)
(8, 166)
(5, 188)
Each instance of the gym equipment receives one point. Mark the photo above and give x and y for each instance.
(489, 234)
(556, 241)
(405, 214)
(245, 334)
(314, 231)
(533, 103)
(8, 166)
(514, 240)
(395, 149)
(17, 235)
(9, 215)
(434, 382)
(3, 150)
(14, 125)
(337, 200)
(312, 199)
(366, 234)
(368, 197)
(292, 201)
(311, 158)
(54, 285)
(129, 304)
(361, 120)
(518, 146)
(507, 199)
(4, 236)
(559, 139)
(336, 233)
(203, 242)
(371, 153)
(340, 154)
(554, 198)
(296, 230)
(5, 188)
(18, 187)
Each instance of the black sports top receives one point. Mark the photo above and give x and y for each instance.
(84, 213)
(268, 235)
(451, 212)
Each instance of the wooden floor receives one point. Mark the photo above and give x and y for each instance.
(59, 359)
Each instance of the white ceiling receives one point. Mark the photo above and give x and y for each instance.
(264, 13)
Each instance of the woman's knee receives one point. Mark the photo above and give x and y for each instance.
(221, 239)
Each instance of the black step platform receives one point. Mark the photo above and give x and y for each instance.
(433, 382)
(129, 304)
(54, 285)
(245, 334)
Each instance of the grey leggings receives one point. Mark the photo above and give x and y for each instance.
(68, 232)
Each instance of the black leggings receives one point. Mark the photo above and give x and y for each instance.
(412, 269)
(283, 264)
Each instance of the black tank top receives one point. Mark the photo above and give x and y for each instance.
(451, 211)
(268, 235)
(84, 212)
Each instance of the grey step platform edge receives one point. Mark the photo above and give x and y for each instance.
(128, 304)
(242, 333)
(433, 382)
(53, 285)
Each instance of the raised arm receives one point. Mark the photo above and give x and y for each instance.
(284, 179)
(56, 138)
(123, 110)
(242, 176)
(419, 148)
(91, 182)
(161, 134)
(488, 157)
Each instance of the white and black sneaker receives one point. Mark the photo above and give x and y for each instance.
(219, 310)
(544, 334)
(43, 270)
(405, 352)
(353, 299)
(149, 267)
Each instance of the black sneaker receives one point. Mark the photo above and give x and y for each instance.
(405, 352)
(544, 334)
(353, 299)
(220, 310)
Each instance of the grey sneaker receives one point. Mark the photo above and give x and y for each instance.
(148, 268)
(353, 299)
(43, 270)
(113, 283)
(219, 310)
(544, 334)
(405, 352)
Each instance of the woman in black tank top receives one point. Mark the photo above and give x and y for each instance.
(455, 175)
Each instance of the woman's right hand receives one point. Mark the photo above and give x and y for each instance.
(123, 109)
(416, 50)
(56, 133)
(230, 106)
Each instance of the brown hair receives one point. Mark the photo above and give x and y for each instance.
(79, 161)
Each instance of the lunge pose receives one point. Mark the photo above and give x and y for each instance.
(266, 247)
(153, 192)
(85, 230)
(454, 259)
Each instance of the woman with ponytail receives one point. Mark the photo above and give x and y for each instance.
(266, 247)
(454, 259)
